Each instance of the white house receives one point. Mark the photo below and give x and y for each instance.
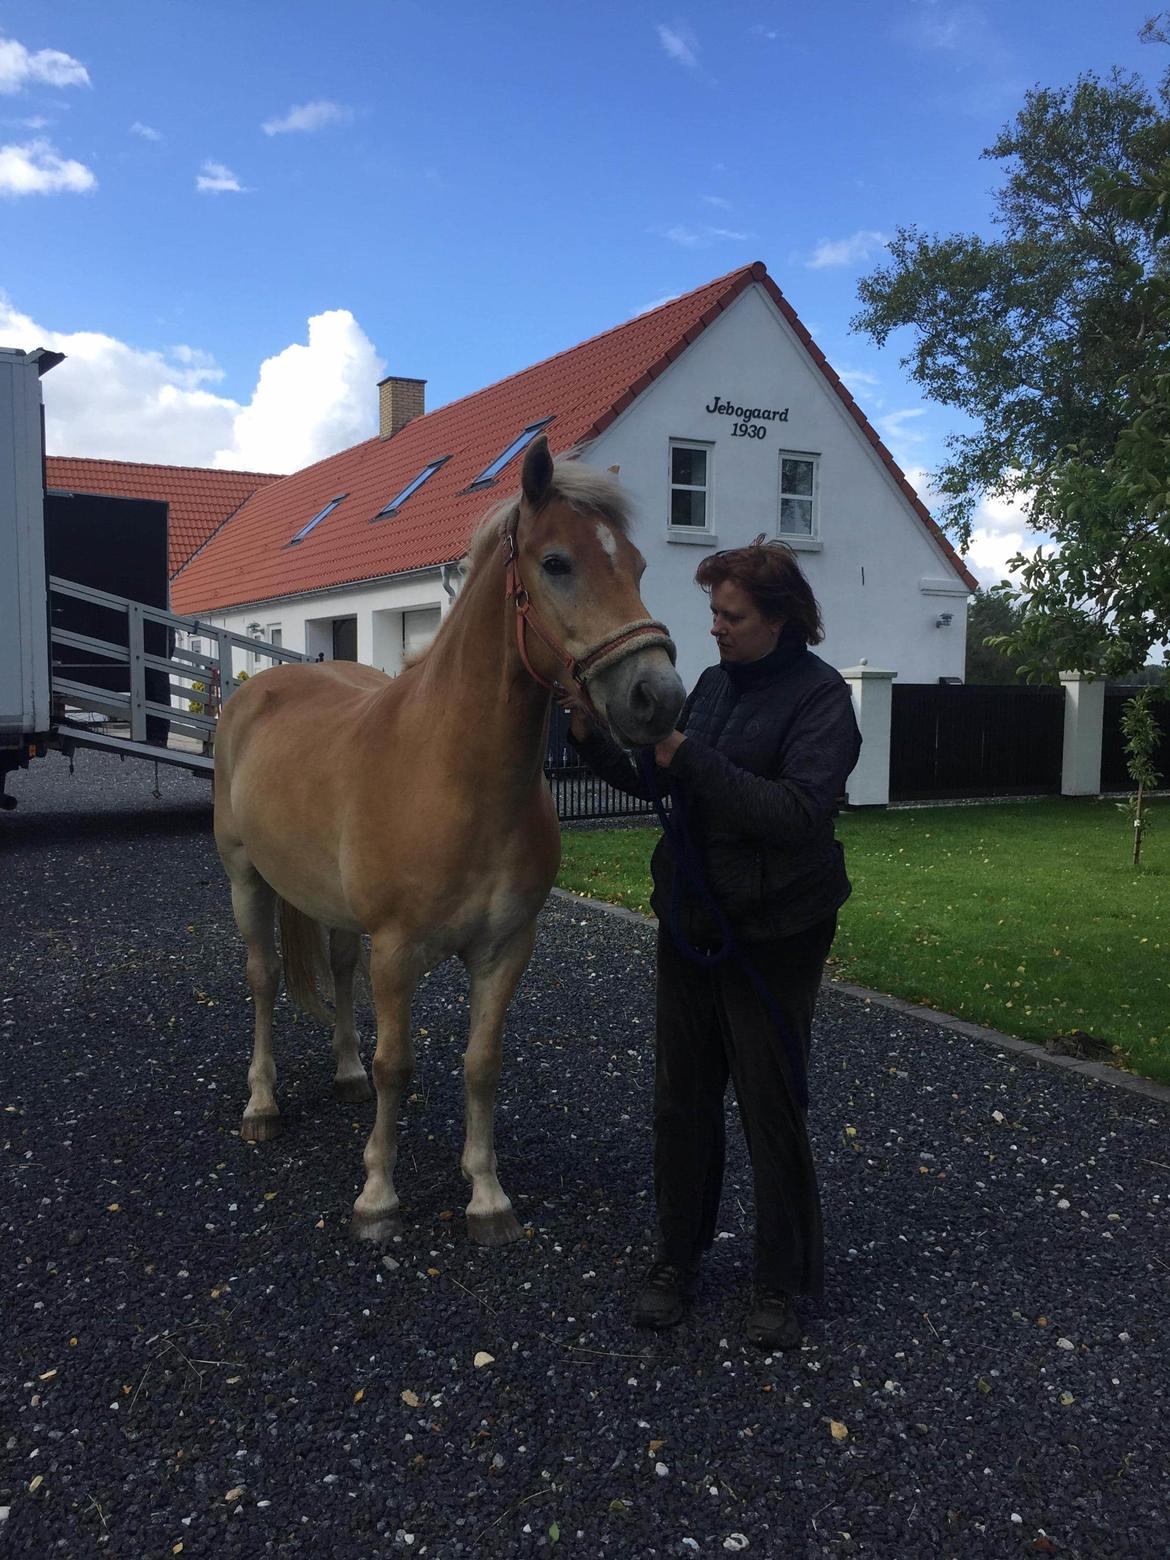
(725, 420)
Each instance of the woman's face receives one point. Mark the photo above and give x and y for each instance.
(738, 626)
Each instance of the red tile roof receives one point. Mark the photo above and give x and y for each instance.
(199, 499)
(585, 388)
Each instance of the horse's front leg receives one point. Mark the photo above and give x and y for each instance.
(494, 978)
(393, 973)
(350, 1084)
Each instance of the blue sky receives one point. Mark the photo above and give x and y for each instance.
(455, 190)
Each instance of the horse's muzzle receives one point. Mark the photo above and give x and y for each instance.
(640, 698)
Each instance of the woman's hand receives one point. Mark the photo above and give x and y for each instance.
(665, 750)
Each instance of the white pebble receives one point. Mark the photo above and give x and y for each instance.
(1063, 1203)
(661, 1470)
(735, 1541)
(1016, 1517)
(691, 1543)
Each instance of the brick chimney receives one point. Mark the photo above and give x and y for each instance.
(399, 402)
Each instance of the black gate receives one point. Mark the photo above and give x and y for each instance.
(974, 740)
(580, 796)
(1114, 773)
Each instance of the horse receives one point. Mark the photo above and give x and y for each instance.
(414, 809)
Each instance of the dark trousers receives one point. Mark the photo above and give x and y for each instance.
(712, 1024)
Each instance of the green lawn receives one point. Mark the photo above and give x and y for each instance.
(1027, 917)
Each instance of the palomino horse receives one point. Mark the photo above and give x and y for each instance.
(415, 809)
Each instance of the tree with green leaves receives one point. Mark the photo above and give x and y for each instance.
(991, 615)
(1054, 338)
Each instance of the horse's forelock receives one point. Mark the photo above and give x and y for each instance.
(585, 489)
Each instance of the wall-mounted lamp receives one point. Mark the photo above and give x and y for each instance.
(944, 620)
(254, 630)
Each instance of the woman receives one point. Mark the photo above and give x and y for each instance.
(764, 745)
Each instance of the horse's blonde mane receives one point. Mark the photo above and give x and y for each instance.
(583, 488)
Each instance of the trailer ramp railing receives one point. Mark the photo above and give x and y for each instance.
(132, 673)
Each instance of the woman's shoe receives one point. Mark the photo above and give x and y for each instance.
(666, 1292)
(772, 1322)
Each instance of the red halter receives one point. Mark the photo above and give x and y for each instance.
(644, 634)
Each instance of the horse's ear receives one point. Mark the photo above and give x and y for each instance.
(614, 471)
(538, 472)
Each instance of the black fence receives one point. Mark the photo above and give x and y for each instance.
(958, 740)
(580, 796)
(946, 741)
(1114, 773)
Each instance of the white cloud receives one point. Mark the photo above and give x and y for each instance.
(145, 131)
(899, 433)
(47, 66)
(37, 168)
(310, 400)
(759, 31)
(718, 201)
(680, 44)
(215, 179)
(114, 400)
(999, 531)
(308, 116)
(854, 377)
(702, 237)
(657, 304)
(847, 251)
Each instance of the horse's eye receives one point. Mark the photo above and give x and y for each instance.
(555, 564)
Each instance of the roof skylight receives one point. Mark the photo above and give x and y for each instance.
(317, 518)
(489, 473)
(413, 486)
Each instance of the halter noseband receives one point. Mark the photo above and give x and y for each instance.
(644, 634)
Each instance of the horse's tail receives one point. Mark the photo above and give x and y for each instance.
(306, 961)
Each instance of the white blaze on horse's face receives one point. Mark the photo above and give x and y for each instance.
(582, 575)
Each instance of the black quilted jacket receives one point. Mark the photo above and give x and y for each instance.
(769, 747)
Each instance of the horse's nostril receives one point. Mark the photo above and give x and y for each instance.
(642, 700)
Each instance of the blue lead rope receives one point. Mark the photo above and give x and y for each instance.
(689, 865)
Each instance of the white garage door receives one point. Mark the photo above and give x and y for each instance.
(418, 629)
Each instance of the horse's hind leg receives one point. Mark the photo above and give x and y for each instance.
(254, 904)
(350, 1084)
(393, 974)
(490, 1220)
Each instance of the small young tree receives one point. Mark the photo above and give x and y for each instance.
(1142, 735)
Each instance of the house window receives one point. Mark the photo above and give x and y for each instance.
(413, 486)
(690, 486)
(274, 634)
(798, 494)
(317, 518)
(489, 473)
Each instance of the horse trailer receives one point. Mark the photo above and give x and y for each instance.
(90, 655)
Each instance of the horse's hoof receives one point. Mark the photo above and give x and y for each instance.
(352, 1091)
(494, 1229)
(375, 1227)
(260, 1129)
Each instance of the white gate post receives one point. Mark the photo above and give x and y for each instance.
(873, 699)
(1084, 720)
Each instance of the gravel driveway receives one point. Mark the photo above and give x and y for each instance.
(196, 1360)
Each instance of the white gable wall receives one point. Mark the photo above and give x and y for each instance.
(868, 531)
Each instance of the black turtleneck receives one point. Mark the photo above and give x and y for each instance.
(748, 674)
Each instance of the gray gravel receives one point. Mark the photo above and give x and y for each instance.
(195, 1354)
